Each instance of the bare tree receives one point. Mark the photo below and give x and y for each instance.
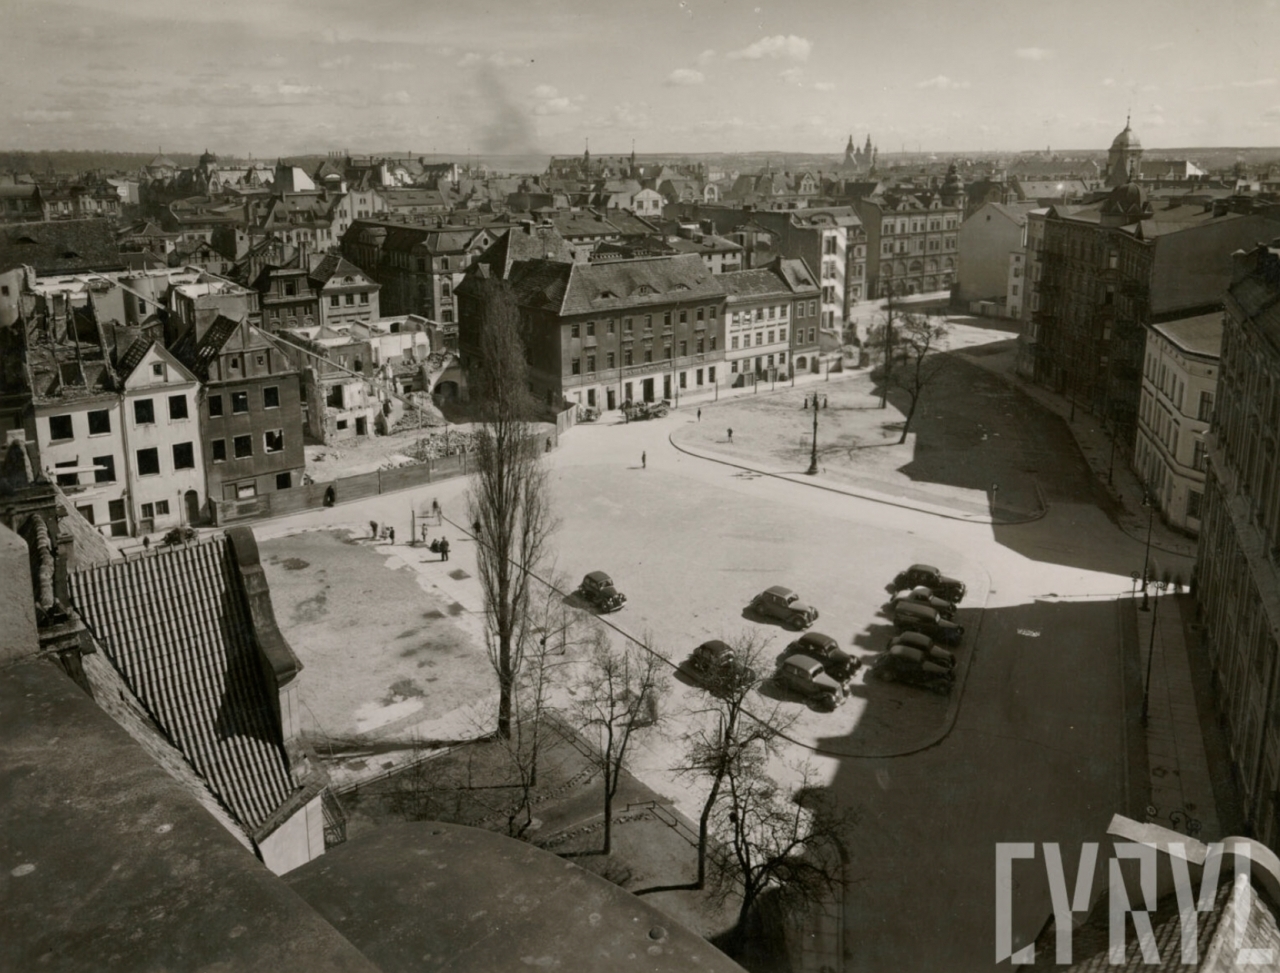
(728, 734)
(918, 360)
(617, 695)
(509, 503)
(788, 841)
(545, 636)
(882, 336)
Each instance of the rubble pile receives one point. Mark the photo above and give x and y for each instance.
(441, 445)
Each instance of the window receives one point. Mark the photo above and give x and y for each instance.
(575, 366)
(99, 422)
(273, 440)
(591, 363)
(144, 411)
(733, 343)
(290, 289)
(1194, 499)
(67, 479)
(626, 356)
(770, 338)
(759, 338)
(813, 335)
(284, 481)
(149, 462)
(714, 339)
(609, 326)
(626, 325)
(1204, 414)
(243, 446)
(87, 510)
(813, 308)
(591, 329)
(684, 348)
(684, 316)
(364, 299)
(184, 456)
(271, 395)
(239, 402)
(666, 351)
(609, 360)
(648, 356)
(666, 319)
(350, 300)
(177, 407)
(333, 300)
(246, 491)
(701, 346)
(1197, 457)
(60, 428)
(148, 511)
(105, 469)
(215, 406)
(573, 330)
(219, 450)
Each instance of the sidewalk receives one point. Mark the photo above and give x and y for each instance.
(1181, 730)
(1113, 472)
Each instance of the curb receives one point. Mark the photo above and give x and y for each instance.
(901, 504)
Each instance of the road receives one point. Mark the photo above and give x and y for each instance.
(1030, 751)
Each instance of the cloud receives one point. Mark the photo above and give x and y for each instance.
(777, 46)
(824, 86)
(942, 83)
(791, 75)
(545, 91)
(498, 59)
(556, 106)
(1033, 53)
(1257, 83)
(706, 57)
(396, 98)
(45, 115)
(683, 77)
(623, 116)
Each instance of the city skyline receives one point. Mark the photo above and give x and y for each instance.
(679, 76)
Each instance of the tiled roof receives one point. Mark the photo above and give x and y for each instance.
(585, 288)
(133, 356)
(1198, 335)
(177, 627)
(335, 266)
(753, 283)
(60, 247)
(526, 243)
(196, 355)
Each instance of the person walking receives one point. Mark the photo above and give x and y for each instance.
(391, 534)
(424, 533)
(373, 527)
(444, 549)
(699, 415)
(644, 461)
(435, 508)
(730, 435)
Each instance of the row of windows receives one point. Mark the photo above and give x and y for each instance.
(918, 226)
(148, 460)
(336, 300)
(242, 446)
(701, 346)
(733, 365)
(768, 313)
(240, 401)
(700, 314)
(61, 428)
(904, 246)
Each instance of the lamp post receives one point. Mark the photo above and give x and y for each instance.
(813, 452)
(1151, 651)
(1146, 560)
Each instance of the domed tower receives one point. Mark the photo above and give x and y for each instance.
(1124, 160)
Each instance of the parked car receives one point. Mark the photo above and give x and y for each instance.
(925, 596)
(840, 665)
(784, 605)
(587, 413)
(635, 411)
(805, 675)
(716, 666)
(597, 589)
(906, 664)
(935, 653)
(930, 577)
(910, 616)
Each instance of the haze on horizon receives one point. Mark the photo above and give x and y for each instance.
(525, 77)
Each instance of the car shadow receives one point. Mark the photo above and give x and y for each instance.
(752, 616)
(875, 637)
(770, 689)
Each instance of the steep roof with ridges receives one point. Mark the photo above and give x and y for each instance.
(196, 355)
(176, 625)
(587, 288)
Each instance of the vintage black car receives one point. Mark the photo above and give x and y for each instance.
(805, 675)
(935, 653)
(840, 665)
(597, 589)
(715, 665)
(902, 663)
(910, 616)
(920, 595)
(784, 605)
(930, 577)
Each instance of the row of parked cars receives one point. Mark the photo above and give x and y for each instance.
(814, 666)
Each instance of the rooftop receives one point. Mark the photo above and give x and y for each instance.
(1197, 335)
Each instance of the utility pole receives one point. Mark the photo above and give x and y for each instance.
(813, 451)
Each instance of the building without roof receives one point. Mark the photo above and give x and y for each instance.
(251, 417)
(1179, 381)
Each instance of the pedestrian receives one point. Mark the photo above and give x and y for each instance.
(435, 507)
(804, 403)
(730, 435)
(699, 415)
(424, 533)
(824, 401)
(548, 444)
(444, 549)
(644, 460)
(373, 527)
(391, 534)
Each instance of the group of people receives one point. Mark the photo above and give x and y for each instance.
(388, 533)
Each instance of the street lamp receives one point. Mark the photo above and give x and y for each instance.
(1151, 649)
(1146, 560)
(813, 452)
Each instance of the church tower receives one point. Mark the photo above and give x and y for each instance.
(1124, 160)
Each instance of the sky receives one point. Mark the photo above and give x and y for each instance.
(288, 77)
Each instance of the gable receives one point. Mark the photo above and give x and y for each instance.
(142, 375)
